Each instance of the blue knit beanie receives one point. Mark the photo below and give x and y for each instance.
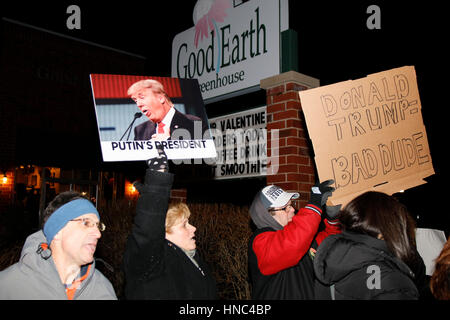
(64, 214)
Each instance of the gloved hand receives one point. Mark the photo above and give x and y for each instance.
(159, 163)
(320, 193)
(331, 212)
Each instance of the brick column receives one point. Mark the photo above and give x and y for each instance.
(296, 171)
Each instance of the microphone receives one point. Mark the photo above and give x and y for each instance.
(136, 116)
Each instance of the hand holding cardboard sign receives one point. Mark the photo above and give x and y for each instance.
(320, 193)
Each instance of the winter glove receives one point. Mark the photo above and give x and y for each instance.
(320, 193)
(332, 212)
(155, 165)
(159, 163)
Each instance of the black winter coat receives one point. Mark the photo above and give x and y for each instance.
(154, 267)
(361, 267)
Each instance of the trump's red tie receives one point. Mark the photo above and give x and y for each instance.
(161, 127)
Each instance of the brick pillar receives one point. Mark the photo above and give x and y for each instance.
(296, 171)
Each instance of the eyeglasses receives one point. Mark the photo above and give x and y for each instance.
(88, 223)
(284, 208)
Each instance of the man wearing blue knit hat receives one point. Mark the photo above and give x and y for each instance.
(57, 262)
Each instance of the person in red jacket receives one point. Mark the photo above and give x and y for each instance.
(281, 250)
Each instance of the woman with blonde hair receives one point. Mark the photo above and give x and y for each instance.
(160, 259)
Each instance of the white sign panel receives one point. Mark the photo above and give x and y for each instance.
(142, 150)
(128, 120)
(241, 144)
(230, 48)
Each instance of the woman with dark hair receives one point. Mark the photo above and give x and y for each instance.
(373, 256)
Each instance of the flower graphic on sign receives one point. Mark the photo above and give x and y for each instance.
(206, 14)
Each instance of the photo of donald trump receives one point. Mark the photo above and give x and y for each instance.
(165, 122)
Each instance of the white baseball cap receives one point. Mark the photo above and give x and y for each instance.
(274, 197)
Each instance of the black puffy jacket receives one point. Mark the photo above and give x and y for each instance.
(357, 266)
(154, 267)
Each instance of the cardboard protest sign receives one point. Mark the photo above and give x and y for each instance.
(368, 134)
(241, 144)
(133, 122)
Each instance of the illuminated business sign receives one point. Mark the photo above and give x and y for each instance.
(230, 49)
(241, 144)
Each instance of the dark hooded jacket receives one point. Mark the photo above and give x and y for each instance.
(358, 266)
(280, 259)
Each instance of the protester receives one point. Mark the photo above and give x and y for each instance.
(279, 264)
(164, 119)
(160, 260)
(373, 256)
(57, 262)
(440, 280)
